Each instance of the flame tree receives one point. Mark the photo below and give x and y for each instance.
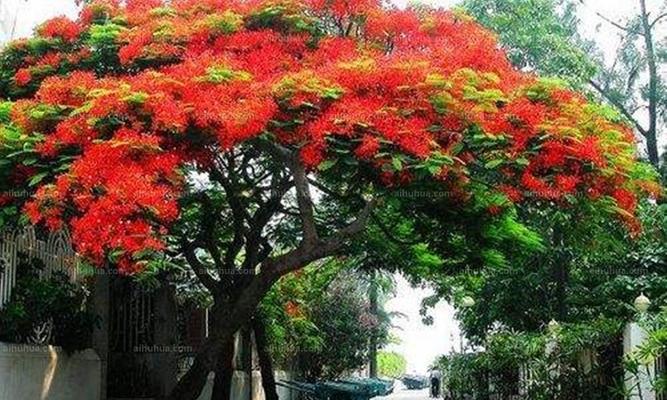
(207, 131)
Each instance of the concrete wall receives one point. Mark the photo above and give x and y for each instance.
(29, 372)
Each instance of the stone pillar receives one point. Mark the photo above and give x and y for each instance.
(638, 386)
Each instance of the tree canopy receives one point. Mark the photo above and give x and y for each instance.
(126, 97)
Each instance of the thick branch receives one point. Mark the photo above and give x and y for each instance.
(209, 219)
(238, 209)
(198, 267)
(309, 252)
(238, 217)
(302, 186)
(305, 202)
(619, 106)
(274, 268)
(261, 218)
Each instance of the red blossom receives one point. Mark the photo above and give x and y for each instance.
(293, 309)
(49, 60)
(625, 199)
(368, 148)
(567, 184)
(60, 27)
(312, 154)
(495, 210)
(512, 193)
(23, 77)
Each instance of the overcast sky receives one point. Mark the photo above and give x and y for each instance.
(420, 344)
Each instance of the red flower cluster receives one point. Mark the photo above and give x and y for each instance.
(124, 191)
(61, 28)
(22, 77)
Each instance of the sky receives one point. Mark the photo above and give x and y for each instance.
(420, 344)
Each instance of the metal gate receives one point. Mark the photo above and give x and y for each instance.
(131, 338)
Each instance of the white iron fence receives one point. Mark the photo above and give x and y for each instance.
(55, 252)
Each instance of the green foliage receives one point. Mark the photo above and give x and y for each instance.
(320, 319)
(544, 36)
(554, 362)
(56, 302)
(538, 35)
(345, 324)
(391, 364)
(21, 169)
(604, 272)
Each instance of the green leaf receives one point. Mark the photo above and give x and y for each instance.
(397, 163)
(37, 178)
(327, 164)
(522, 161)
(493, 163)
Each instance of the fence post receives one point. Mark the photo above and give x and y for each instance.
(638, 386)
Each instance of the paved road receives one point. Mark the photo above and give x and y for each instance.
(401, 394)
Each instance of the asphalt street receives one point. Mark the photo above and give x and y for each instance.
(404, 394)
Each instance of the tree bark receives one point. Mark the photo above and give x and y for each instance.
(265, 362)
(224, 373)
(223, 328)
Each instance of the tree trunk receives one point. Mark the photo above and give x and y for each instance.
(373, 343)
(224, 373)
(652, 134)
(222, 330)
(234, 309)
(190, 386)
(227, 318)
(265, 362)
